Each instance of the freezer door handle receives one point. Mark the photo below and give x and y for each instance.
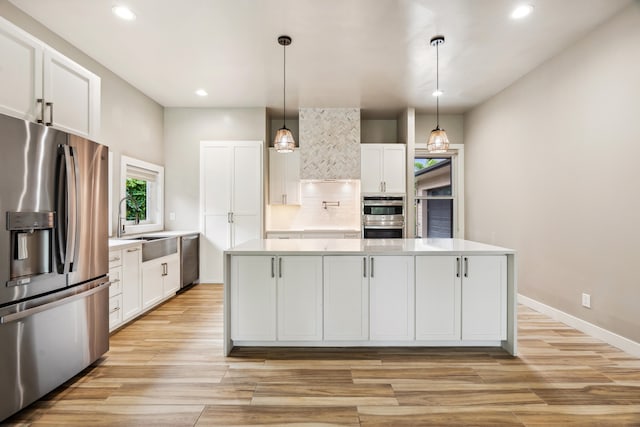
(14, 317)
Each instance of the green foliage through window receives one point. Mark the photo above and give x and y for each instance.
(136, 200)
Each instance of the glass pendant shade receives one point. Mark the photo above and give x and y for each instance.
(438, 141)
(284, 142)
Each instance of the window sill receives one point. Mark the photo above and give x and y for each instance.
(142, 228)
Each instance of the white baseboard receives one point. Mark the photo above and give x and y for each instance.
(605, 335)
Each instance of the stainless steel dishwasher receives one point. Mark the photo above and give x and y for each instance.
(189, 259)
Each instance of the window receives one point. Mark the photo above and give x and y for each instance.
(437, 195)
(142, 189)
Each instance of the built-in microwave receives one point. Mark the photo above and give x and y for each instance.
(383, 217)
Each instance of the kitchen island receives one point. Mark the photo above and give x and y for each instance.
(373, 292)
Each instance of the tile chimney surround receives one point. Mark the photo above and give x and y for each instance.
(329, 143)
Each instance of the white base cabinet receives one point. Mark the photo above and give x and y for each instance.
(438, 298)
(253, 298)
(131, 278)
(284, 291)
(160, 279)
(368, 299)
(346, 298)
(299, 289)
(391, 287)
(484, 297)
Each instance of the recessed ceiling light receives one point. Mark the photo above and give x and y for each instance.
(521, 11)
(201, 92)
(123, 12)
(437, 92)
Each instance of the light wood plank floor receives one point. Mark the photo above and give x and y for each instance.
(167, 369)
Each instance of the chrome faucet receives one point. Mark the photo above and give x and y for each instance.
(121, 229)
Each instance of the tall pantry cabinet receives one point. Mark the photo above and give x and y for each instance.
(231, 200)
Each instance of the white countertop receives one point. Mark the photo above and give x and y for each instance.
(359, 246)
(117, 244)
(315, 230)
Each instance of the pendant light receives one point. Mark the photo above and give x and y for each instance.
(284, 142)
(438, 140)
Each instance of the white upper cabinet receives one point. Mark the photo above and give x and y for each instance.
(20, 73)
(39, 84)
(71, 95)
(383, 168)
(284, 177)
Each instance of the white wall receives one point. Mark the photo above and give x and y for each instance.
(184, 128)
(131, 123)
(453, 124)
(378, 131)
(552, 171)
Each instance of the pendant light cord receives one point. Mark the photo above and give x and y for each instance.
(437, 86)
(284, 85)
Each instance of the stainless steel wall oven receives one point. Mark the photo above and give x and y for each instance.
(383, 217)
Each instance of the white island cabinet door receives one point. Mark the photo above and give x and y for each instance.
(300, 298)
(253, 298)
(484, 298)
(438, 288)
(346, 298)
(391, 287)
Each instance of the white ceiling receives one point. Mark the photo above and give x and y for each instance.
(372, 54)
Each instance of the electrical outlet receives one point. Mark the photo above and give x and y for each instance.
(586, 300)
(172, 216)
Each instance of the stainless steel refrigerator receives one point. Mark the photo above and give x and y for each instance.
(54, 292)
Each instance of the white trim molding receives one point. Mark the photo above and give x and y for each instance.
(595, 331)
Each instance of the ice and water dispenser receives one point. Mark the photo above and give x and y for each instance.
(31, 245)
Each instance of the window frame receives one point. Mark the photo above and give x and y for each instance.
(456, 154)
(155, 211)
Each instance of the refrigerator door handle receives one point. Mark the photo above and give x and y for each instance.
(67, 210)
(75, 206)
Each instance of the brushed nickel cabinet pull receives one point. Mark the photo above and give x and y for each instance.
(364, 266)
(40, 101)
(50, 122)
(466, 267)
(457, 266)
(279, 267)
(273, 266)
(371, 273)
(133, 250)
